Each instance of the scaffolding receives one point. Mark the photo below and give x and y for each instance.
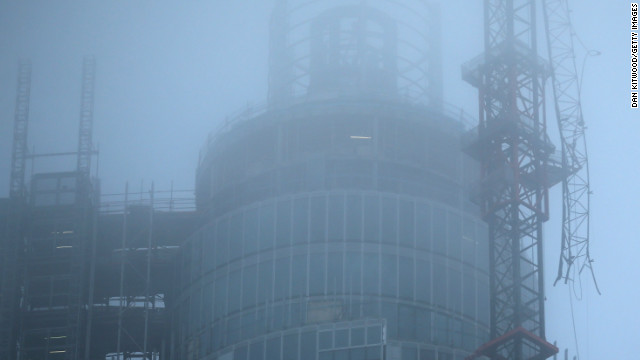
(56, 256)
(13, 213)
(139, 236)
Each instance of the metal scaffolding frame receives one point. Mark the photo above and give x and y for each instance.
(57, 253)
(134, 340)
(517, 170)
(85, 146)
(12, 230)
(20, 127)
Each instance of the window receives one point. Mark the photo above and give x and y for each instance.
(299, 276)
(318, 219)
(334, 273)
(357, 336)
(409, 353)
(290, 347)
(441, 335)
(407, 322)
(406, 278)
(249, 286)
(317, 270)
(235, 237)
(423, 228)
(336, 218)
(371, 219)
(282, 282)
(374, 335)
(251, 231)
(439, 284)
(256, 351)
(389, 220)
(265, 281)
(325, 339)
(222, 242)
(209, 248)
(373, 353)
(283, 226)
(455, 235)
(308, 347)
(483, 302)
(423, 325)
(469, 288)
(234, 328)
(389, 311)
(406, 226)
(423, 281)
(483, 248)
(371, 266)
(455, 290)
(240, 353)
(354, 218)
(439, 230)
(468, 241)
(468, 336)
(341, 338)
(234, 291)
(267, 226)
(300, 220)
(207, 304)
(427, 354)
(273, 349)
(357, 354)
(389, 275)
(220, 302)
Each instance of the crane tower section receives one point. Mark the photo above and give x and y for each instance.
(514, 150)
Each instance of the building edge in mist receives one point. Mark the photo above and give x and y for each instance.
(336, 220)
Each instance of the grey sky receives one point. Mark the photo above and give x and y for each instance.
(170, 71)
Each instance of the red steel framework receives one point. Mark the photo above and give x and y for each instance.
(514, 150)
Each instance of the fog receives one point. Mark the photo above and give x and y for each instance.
(169, 72)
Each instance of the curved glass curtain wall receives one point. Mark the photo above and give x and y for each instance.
(335, 256)
(349, 143)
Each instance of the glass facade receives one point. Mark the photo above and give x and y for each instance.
(312, 267)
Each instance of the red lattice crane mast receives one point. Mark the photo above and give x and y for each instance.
(517, 170)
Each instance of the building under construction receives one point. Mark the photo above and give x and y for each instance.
(340, 221)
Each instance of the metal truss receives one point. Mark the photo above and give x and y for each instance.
(20, 127)
(10, 240)
(575, 185)
(134, 337)
(86, 118)
(517, 170)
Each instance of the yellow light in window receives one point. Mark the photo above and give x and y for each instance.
(360, 137)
